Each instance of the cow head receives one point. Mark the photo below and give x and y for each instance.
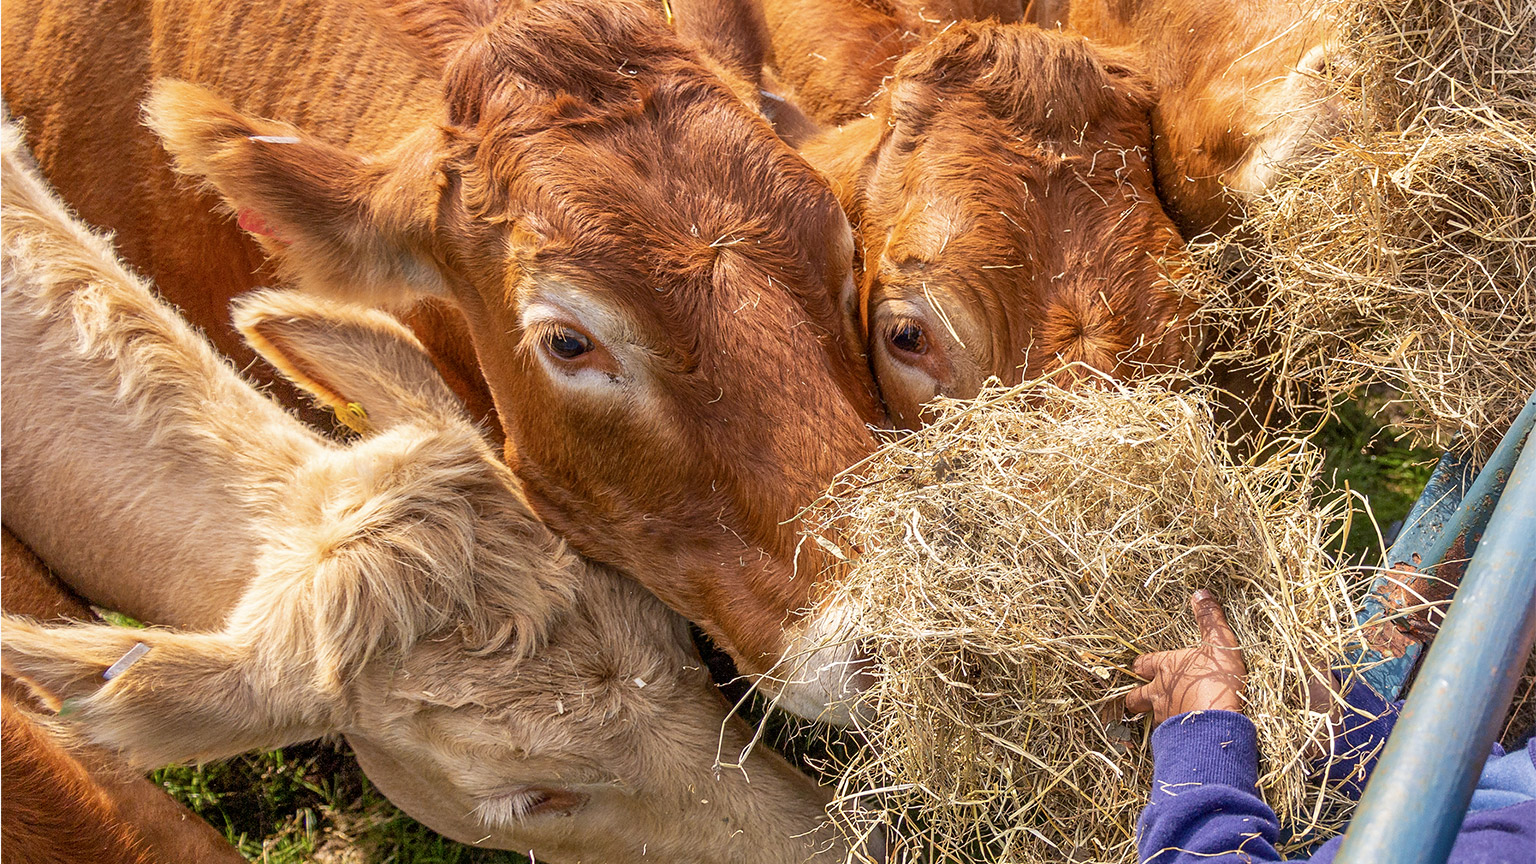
(650, 278)
(1005, 215)
(602, 745)
(495, 686)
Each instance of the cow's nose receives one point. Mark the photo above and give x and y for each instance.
(877, 847)
(825, 671)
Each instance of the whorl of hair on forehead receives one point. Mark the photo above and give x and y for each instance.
(595, 54)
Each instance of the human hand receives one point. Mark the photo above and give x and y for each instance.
(1204, 678)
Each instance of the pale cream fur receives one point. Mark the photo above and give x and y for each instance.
(396, 590)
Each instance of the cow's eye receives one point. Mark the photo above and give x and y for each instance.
(565, 343)
(908, 337)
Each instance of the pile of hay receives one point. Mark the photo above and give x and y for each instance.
(1403, 253)
(1008, 564)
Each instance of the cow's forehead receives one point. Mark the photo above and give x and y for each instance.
(995, 176)
(671, 233)
(715, 175)
(601, 115)
(1026, 83)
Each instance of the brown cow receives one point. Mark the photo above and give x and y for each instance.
(65, 802)
(396, 590)
(647, 274)
(1006, 217)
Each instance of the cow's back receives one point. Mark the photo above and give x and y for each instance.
(76, 72)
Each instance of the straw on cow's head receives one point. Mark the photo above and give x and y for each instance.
(652, 281)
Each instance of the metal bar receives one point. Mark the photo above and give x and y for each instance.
(1424, 539)
(1387, 656)
(1455, 544)
(1429, 557)
(1417, 798)
(1442, 495)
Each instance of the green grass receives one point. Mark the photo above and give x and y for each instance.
(311, 802)
(1366, 456)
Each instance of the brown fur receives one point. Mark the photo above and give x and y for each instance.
(834, 55)
(1004, 205)
(69, 803)
(1243, 85)
(732, 32)
(55, 812)
(398, 591)
(441, 27)
(580, 161)
(28, 588)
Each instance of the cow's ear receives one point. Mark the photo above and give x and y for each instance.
(1127, 74)
(779, 104)
(352, 225)
(845, 156)
(361, 363)
(171, 697)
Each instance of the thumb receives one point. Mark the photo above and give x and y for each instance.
(1139, 701)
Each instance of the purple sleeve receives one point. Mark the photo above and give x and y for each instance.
(1205, 804)
(1358, 741)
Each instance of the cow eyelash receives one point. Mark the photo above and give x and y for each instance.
(565, 343)
(508, 810)
(514, 808)
(908, 336)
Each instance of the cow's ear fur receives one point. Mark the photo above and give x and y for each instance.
(355, 226)
(191, 698)
(846, 156)
(1127, 72)
(361, 363)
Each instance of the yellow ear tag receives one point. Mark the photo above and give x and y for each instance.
(354, 417)
(666, 9)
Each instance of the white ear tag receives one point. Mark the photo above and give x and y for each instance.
(273, 139)
(133, 656)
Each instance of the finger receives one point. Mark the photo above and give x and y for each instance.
(1146, 665)
(1214, 629)
(1139, 701)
